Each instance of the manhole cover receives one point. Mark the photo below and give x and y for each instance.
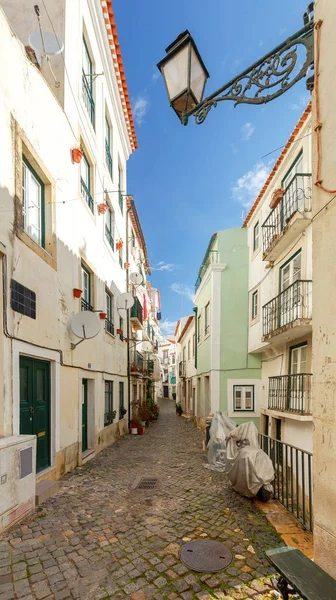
(206, 556)
(146, 484)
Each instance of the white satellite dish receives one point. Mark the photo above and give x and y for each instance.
(46, 42)
(85, 325)
(125, 301)
(147, 347)
(136, 278)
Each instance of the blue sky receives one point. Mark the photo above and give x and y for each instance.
(189, 182)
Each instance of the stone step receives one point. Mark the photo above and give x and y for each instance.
(44, 489)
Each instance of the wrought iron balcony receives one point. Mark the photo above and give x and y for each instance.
(86, 305)
(88, 99)
(291, 393)
(136, 314)
(211, 258)
(109, 326)
(109, 236)
(137, 363)
(108, 158)
(182, 368)
(291, 305)
(297, 198)
(87, 195)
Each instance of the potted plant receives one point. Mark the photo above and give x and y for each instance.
(276, 197)
(102, 208)
(144, 414)
(174, 395)
(122, 412)
(102, 316)
(76, 154)
(77, 292)
(135, 424)
(134, 368)
(179, 410)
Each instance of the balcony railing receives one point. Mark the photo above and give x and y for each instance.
(212, 258)
(293, 478)
(291, 393)
(88, 99)
(136, 310)
(294, 303)
(182, 368)
(108, 158)
(297, 197)
(86, 193)
(109, 326)
(86, 305)
(109, 236)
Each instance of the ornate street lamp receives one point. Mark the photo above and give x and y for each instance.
(184, 74)
(271, 76)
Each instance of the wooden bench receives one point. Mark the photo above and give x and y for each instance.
(298, 574)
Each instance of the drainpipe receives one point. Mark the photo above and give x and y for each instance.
(128, 328)
(195, 358)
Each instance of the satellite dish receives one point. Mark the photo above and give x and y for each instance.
(85, 325)
(147, 347)
(136, 278)
(46, 42)
(125, 301)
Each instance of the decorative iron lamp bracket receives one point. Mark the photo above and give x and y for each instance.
(267, 79)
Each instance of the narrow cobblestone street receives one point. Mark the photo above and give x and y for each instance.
(101, 538)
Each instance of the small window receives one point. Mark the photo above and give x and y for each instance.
(189, 343)
(109, 321)
(86, 181)
(108, 147)
(87, 83)
(255, 304)
(199, 328)
(120, 189)
(193, 345)
(86, 289)
(33, 217)
(23, 300)
(109, 413)
(109, 227)
(173, 359)
(121, 400)
(121, 327)
(256, 237)
(207, 319)
(243, 397)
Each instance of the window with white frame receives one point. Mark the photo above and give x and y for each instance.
(193, 345)
(254, 307)
(207, 319)
(109, 413)
(87, 83)
(86, 288)
(109, 227)
(33, 217)
(256, 237)
(86, 180)
(108, 146)
(109, 321)
(243, 397)
(189, 343)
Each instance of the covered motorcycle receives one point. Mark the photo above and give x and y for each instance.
(249, 469)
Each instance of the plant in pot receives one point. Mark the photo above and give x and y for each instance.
(179, 410)
(122, 412)
(135, 424)
(144, 414)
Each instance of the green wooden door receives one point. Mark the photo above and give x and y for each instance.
(84, 415)
(35, 406)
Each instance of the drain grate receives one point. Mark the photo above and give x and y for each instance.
(147, 483)
(206, 556)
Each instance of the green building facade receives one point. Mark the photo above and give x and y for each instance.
(228, 378)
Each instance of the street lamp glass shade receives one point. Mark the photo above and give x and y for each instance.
(184, 74)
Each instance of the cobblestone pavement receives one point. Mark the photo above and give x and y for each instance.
(100, 538)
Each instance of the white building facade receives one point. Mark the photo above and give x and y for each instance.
(280, 291)
(62, 224)
(186, 371)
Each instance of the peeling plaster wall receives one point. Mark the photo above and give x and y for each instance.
(324, 314)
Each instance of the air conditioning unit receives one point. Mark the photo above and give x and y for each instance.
(17, 478)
